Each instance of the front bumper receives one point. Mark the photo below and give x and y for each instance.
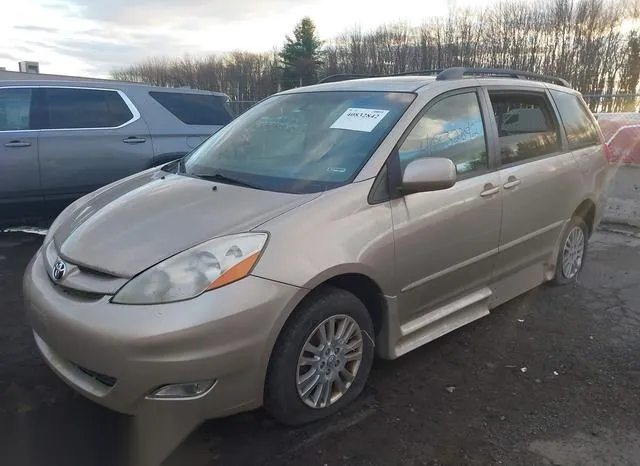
(117, 354)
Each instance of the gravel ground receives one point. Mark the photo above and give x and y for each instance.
(551, 378)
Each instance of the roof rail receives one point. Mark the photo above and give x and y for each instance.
(418, 73)
(347, 76)
(459, 72)
(454, 73)
(334, 78)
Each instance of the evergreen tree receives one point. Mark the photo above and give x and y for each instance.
(301, 56)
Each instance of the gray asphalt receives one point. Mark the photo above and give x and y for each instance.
(551, 378)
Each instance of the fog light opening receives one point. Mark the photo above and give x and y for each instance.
(183, 390)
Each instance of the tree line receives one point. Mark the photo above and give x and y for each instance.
(594, 44)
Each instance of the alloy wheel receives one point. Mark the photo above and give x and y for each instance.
(329, 361)
(573, 253)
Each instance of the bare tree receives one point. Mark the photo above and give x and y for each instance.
(241, 75)
(592, 43)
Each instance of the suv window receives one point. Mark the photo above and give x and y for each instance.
(15, 109)
(195, 109)
(451, 128)
(580, 128)
(69, 108)
(526, 126)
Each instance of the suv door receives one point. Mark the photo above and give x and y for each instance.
(446, 241)
(92, 137)
(19, 171)
(537, 175)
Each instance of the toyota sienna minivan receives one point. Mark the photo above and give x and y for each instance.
(325, 225)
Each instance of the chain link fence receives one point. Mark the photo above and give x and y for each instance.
(612, 103)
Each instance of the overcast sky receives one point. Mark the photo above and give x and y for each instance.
(91, 37)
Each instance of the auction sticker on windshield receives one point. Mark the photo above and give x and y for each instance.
(359, 119)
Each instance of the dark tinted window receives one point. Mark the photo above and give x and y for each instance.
(195, 109)
(15, 109)
(85, 108)
(526, 127)
(580, 128)
(452, 128)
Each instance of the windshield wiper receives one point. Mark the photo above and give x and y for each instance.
(224, 179)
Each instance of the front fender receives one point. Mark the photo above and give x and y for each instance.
(336, 233)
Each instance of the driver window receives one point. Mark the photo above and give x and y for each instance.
(452, 128)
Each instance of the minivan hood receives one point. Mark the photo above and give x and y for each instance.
(132, 224)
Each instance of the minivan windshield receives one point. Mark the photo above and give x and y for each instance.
(300, 142)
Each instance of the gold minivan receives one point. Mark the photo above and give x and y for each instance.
(325, 225)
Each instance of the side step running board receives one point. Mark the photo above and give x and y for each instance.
(443, 320)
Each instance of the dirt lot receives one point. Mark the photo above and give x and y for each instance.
(551, 378)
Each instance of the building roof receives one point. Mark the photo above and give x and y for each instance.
(19, 76)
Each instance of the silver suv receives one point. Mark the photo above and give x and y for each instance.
(60, 140)
(326, 224)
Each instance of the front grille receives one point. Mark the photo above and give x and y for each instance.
(96, 273)
(104, 379)
(79, 294)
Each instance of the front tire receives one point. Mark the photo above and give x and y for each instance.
(572, 252)
(322, 358)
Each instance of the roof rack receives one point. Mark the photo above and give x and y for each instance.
(347, 76)
(459, 72)
(334, 78)
(454, 73)
(418, 73)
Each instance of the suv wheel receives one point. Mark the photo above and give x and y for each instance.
(573, 250)
(322, 358)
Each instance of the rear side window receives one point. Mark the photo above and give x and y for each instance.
(15, 109)
(85, 108)
(580, 128)
(526, 126)
(194, 109)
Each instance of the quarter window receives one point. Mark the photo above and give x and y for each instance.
(580, 128)
(526, 127)
(451, 128)
(85, 108)
(15, 109)
(195, 109)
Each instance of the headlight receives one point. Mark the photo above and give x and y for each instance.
(190, 273)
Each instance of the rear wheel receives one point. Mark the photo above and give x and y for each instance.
(572, 253)
(322, 358)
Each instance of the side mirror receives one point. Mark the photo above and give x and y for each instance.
(428, 174)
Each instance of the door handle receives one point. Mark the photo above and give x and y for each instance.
(17, 144)
(134, 140)
(490, 190)
(512, 182)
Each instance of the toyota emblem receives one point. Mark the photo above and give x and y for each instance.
(59, 269)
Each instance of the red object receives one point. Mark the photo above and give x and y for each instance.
(608, 153)
(623, 140)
